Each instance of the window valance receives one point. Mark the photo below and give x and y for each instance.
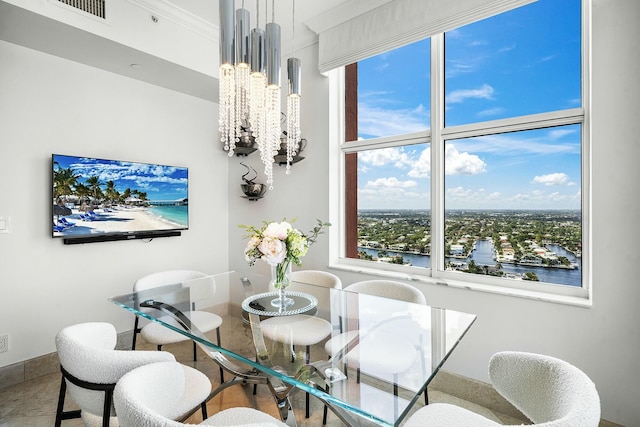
(397, 23)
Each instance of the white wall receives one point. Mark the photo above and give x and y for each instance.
(602, 340)
(52, 105)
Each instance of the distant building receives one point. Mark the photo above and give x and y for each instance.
(456, 250)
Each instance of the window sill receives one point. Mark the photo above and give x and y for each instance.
(577, 301)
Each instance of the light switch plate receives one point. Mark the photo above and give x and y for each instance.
(4, 224)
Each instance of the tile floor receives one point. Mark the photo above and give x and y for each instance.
(33, 403)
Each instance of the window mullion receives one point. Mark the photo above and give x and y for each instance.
(515, 124)
(437, 153)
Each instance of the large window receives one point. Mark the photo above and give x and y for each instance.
(466, 152)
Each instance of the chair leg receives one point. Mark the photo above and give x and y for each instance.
(135, 333)
(159, 347)
(426, 397)
(106, 410)
(194, 352)
(306, 411)
(63, 390)
(60, 414)
(221, 370)
(203, 405)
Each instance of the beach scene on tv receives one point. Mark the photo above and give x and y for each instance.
(97, 197)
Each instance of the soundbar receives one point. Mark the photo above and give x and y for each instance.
(114, 237)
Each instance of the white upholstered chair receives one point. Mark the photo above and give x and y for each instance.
(548, 391)
(301, 329)
(379, 352)
(91, 367)
(155, 333)
(143, 395)
(381, 288)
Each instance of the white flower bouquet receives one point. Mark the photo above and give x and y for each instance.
(279, 245)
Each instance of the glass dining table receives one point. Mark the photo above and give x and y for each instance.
(382, 354)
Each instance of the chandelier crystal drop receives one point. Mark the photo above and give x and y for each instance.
(227, 116)
(250, 88)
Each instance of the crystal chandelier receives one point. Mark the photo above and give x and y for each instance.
(250, 86)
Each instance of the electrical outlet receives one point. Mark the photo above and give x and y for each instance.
(4, 343)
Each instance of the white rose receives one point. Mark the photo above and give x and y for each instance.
(277, 230)
(274, 250)
(253, 243)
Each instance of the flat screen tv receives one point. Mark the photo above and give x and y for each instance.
(101, 200)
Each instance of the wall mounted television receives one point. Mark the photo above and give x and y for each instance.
(97, 200)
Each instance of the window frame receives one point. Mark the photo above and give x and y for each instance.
(437, 136)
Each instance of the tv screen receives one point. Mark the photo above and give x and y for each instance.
(99, 199)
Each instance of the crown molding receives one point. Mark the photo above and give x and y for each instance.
(180, 16)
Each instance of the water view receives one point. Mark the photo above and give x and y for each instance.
(540, 246)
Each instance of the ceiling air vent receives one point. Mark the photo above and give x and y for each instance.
(93, 7)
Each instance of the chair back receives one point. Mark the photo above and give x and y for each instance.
(142, 395)
(162, 278)
(316, 277)
(549, 391)
(320, 278)
(389, 289)
(142, 398)
(86, 351)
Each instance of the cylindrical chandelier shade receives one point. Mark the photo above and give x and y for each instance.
(273, 54)
(242, 43)
(294, 74)
(243, 38)
(227, 53)
(258, 51)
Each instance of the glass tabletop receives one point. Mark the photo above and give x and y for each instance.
(377, 359)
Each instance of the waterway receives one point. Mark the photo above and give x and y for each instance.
(483, 255)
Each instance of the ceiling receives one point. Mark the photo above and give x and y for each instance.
(305, 9)
(53, 37)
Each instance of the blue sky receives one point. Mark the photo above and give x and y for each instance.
(522, 62)
(158, 181)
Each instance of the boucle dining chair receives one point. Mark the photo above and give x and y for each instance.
(549, 391)
(143, 395)
(91, 367)
(159, 335)
(389, 352)
(301, 329)
(381, 288)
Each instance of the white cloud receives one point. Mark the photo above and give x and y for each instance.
(551, 179)
(390, 183)
(559, 133)
(422, 167)
(491, 112)
(379, 121)
(517, 143)
(461, 95)
(393, 194)
(385, 156)
(457, 163)
(458, 192)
